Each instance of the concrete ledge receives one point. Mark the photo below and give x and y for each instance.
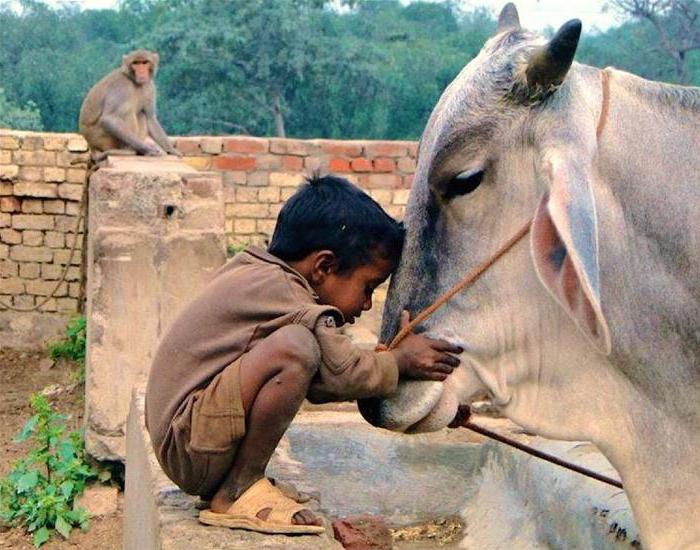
(506, 499)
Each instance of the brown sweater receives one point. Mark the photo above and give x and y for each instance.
(250, 297)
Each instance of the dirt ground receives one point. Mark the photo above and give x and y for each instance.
(20, 377)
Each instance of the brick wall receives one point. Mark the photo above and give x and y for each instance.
(41, 182)
(41, 179)
(260, 174)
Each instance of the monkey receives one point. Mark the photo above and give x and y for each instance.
(118, 114)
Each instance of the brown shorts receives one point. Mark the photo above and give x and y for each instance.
(205, 433)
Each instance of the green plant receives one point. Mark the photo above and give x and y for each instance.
(73, 347)
(40, 490)
(233, 249)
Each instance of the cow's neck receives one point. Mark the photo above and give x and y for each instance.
(648, 199)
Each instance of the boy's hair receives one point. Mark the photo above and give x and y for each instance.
(330, 213)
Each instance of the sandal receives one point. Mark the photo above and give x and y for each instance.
(242, 514)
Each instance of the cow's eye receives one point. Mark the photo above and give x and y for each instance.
(463, 184)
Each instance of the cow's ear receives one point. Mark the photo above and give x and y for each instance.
(564, 245)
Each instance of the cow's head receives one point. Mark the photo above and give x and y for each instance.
(513, 138)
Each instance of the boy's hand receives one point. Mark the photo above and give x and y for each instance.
(424, 358)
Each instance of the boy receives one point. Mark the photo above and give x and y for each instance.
(234, 368)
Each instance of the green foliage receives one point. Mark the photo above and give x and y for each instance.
(39, 492)
(13, 116)
(233, 249)
(72, 347)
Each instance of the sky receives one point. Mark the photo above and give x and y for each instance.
(534, 14)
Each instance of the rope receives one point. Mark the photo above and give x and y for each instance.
(81, 216)
(469, 280)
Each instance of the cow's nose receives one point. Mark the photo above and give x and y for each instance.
(369, 409)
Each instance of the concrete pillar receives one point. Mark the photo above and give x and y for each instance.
(156, 236)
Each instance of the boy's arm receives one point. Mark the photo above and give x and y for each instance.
(348, 372)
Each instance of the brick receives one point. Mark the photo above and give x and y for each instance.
(71, 160)
(246, 194)
(211, 145)
(286, 179)
(10, 204)
(292, 147)
(67, 304)
(72, 208)
(6, 188)
(32, 143)
(75, 175)
(10, 236)
(55, 175)
(235, 178)
(386, 181)
(5, 157)
(246, 145)
(32, 237)
(407, 181)
(350, 149)
(70, 191)
(50, 305)
(54, 239)
(5, 220)
(272, 163)
(54, 143)
(74, 290)
(234, 162)
(30, 173)
(275, 209)
(339, 165)
(23, 301)
(383, 165)
(44, 288)
(406, 165)
(51, 272)
(9, 172)
(396, 212)
(312, 164)
(401, 197)
(259, 179)
(54, 207)
(188, 146)
(65, 224)
(198, 163)
(413, 149)
(32, 189)
(4, 251)
(244, 226)
(382, 196)
(361, 165)
(32, 206)
(29, 271)
(73, 274)
(287, 192)
(8, 269)
(248, 210)
(11, 286)
(9, 142)
(292, 163)
(269, 194)
(22, 253)
(35, 158)
(77, 145)
(61, 256)
(385, 149)
(29, 221)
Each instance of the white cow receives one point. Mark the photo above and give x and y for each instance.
(588, 329)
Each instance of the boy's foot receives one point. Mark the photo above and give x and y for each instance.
(266, 509)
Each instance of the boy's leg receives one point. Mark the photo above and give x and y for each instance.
(274, 379)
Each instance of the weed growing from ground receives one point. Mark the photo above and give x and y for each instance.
(73, 347)
(39, 492)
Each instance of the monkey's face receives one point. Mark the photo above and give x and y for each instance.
(141, 70)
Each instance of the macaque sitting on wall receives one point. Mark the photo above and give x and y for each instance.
(118, 115)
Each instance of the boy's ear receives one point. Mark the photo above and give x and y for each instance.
(324, 263)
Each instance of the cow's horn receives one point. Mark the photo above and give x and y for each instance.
(549, 64)
(508, 20)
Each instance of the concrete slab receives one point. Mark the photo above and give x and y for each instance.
(505, 498)
(156, 236)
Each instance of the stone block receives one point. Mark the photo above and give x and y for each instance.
(77, 144)
(29, 221)
(31, 237)
(45, 288)
(160, 223)
(22, 253)
(9, 172)
(70, 191)
(55, 142)
(10, 204)
(54, 207)
(32, 142)
(55, 239)
(158, 516)
(6, 188)
(30, 271)
(75, 175)
(11, 286)
(9, 142)
(10, 236)
(32, 206)
(35, 158)
(30, 173)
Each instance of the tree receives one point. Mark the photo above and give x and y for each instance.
(15, 117)
(677, 23)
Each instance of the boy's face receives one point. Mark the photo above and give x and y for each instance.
(351, 292)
